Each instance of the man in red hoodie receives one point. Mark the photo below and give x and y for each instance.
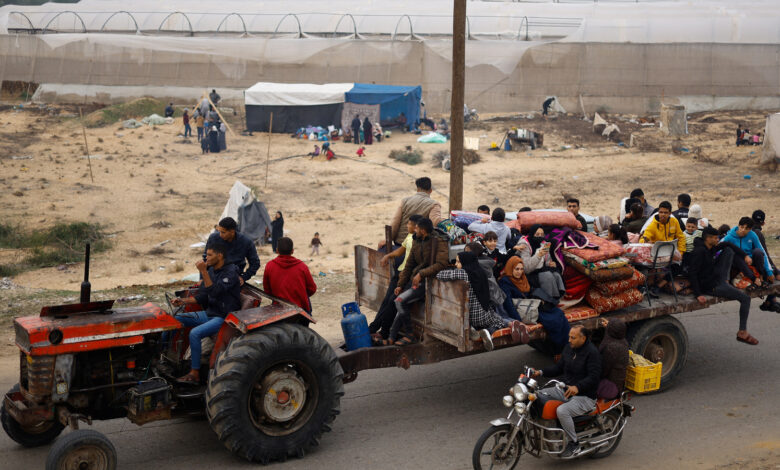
(288, 277)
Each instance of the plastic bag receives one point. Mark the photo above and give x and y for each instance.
(432, 138)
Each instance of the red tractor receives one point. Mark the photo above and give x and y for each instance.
(273, 385)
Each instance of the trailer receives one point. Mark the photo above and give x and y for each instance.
(442, 323)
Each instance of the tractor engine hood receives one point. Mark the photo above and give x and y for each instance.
(85, 327)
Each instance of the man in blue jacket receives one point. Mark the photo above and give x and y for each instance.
(746, 239)
(239, 248)
(218, 294)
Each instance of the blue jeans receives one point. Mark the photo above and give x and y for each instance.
(204, 326)
(200, 133)
(187, 130)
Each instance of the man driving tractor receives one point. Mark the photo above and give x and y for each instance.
(219, 293)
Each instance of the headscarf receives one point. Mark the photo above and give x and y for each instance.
(601, 225)
(535, 244)
(522, 284)
(477, 277)
(695, 211)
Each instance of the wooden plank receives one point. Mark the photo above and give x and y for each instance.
(372, 280)
(446, 307)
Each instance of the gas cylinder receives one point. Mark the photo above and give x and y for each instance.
(355, 327)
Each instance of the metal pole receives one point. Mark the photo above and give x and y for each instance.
(86, 146)
(456, 107)
(268, 152)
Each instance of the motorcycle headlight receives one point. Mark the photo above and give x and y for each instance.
(520, 392)
(520, 408)
(509, 401)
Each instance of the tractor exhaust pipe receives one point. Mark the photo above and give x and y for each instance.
(86, 287)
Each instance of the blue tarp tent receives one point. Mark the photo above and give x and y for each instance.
(392, 100)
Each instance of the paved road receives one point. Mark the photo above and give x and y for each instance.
(723, 410)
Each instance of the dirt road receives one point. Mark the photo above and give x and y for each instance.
(721, 414)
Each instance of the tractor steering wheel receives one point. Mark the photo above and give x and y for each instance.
(173, 310)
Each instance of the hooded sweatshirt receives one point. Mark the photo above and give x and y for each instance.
(748, 243)
(289, 278)
(658, 232)
(614, 353)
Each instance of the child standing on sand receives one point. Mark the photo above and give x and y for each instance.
(315, 244)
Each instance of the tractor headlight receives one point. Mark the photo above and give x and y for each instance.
(520, 392)
(508, 401)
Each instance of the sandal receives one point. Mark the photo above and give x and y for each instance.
(405, 341)
(188, 379)
(381, 342)
(519, 332)
(748, 339)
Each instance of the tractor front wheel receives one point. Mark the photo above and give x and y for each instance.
(29, 436)
(82, 449)
(273, 392)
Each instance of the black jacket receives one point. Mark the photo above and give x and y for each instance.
(224, 294)
(239, 251)
(701, 265)
(761, 238)
(580, 367)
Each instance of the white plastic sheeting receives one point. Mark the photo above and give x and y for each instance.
(296, 94)
(771, 147)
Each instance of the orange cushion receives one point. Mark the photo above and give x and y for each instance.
(580, 313)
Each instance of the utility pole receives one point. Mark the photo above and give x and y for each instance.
(456, 107)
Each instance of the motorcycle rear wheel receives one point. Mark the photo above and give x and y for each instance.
(607, 450)
(491, 443)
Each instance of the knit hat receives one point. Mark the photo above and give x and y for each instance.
(695, 211)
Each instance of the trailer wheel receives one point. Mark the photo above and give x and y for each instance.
(273, 392)
(82, 449)
(29, 436)
(661, 340)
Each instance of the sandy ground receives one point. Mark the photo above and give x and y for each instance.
(152, 186)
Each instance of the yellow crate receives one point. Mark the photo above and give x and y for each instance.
(642, 379)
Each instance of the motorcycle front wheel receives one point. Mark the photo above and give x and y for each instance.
(494, 451)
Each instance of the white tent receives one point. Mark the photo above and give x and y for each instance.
(296, 94)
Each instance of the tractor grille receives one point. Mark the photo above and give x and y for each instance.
(39, 376)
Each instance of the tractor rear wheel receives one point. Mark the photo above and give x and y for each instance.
(273, 392)
(29, 436)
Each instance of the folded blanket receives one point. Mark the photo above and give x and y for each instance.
(546, 218)
(580, 313)
(603, 303)
(577, 284)
(605, 250)
(612, 263)
(615, 287)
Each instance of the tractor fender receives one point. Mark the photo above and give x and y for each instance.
(242, 322)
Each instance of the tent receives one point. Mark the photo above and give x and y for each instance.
(297, 105)
(294, 105)
(771, 151)
(250, 214)
(392, 100)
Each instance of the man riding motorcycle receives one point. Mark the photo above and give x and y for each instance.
(580, 365)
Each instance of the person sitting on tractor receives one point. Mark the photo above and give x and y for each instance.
(240, 248)
(289, 278)
(580, 366)
(219, 293)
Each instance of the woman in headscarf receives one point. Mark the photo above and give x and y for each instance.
(482, 314)
(277, 229)
(515, 285)
(222, 141)
(368, 133)
(601, 225)
(213, 138)
(538, 264)
(614, 358)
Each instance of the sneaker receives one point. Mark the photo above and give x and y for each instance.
(768, 306)
(487, 339)
(571, 449)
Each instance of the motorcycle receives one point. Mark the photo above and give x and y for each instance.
(532, 427)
